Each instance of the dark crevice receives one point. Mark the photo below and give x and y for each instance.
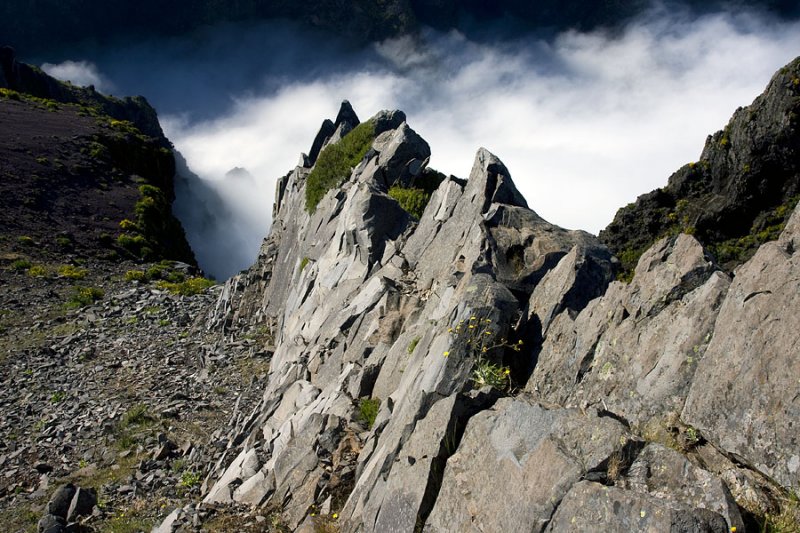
(465, 408)
(586, 362)
(523, 363)
(619, 418)
(754, 294)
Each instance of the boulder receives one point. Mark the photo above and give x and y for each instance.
(515, 462)
(593, 507)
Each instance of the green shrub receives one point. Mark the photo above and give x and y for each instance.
(38, 271)
(135, 275)
(490, 374)
(123, 126)
(136, 245)
(84, 296)
(21, 264)
(24, 240)
(189, 287)
(413, 201)
(58, 397)
(72, 272)
(190, 479)
(128, 225)
(368, 410)
(336, 161)
(137, 415)
(8, 93)
(159, 271)
(303, 263)
(64, 242)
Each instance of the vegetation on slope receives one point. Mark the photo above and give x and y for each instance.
(336, 162)
(737, 196)
(414, 199)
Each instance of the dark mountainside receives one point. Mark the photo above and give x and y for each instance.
(737, 196)
(411, 352)
(52, 25)
(83, 172)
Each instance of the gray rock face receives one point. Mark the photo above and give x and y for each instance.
(667, 475)
(367, 313)
(752, 379)
(515, 463)
(590, 506)
(634, 350)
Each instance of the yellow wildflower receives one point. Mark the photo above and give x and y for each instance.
(506, 371)
(335, 516)
(446, 354)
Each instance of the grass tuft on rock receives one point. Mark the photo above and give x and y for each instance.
(336, 162)
(368, 410)
(413, 201)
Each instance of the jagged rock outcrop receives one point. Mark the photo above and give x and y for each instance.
(361, 298)
(664, 403)
(634, 350)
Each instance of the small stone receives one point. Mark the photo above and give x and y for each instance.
(82, 504)
(60, 502)
(51, 524)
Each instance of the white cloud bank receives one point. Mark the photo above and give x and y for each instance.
(585, 122)
(82, 73)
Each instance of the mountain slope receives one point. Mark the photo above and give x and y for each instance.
(83, 172)
(738, 195)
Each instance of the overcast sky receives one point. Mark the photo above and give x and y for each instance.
(584, 122)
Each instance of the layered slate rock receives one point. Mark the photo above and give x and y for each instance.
(516, 462)
(746, 393)
(634, 351)
(360, 298)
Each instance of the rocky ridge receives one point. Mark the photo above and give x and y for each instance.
(520, 388)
